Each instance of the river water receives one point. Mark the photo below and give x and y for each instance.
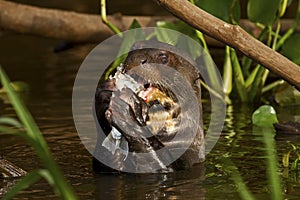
(51, 77)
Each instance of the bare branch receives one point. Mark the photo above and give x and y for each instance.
(236, 37)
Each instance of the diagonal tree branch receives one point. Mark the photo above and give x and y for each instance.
(236, 37)
(79, 27)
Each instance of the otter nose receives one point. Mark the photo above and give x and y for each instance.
(144, 61)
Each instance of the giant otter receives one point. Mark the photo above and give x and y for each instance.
(128, 115)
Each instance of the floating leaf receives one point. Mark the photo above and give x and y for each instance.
(291, 48)
(264, 116)
(263, 11)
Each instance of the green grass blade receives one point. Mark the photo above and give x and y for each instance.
(238, 76)
(10, 121)
(214, 81)
(163, 35)
(256, 86)
(271, 86)
(36, 138)
(20, 109)
(227, 72)
(10, 130)
(212, 91)
(24, 183)
(251, 77)
(201, 38)
(128, 40)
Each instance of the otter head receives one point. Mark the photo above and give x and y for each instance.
(149, 52)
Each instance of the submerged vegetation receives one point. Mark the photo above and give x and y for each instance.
(245, 80)
(242, 79)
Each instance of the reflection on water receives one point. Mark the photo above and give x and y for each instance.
(151, 186)
(51, 78)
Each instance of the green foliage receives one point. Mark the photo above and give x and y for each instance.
(263, 12)
(291, 48)
(227, 72)
(18, 86)
(162, 35)
(28, 130)
(264, 116)
(228, 10)
(267, 136)
(127, 42)
(214, 86)
(10, 122)
(292, 154)
(250, 81)
(243, 80)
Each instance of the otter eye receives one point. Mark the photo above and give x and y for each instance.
(164, 58)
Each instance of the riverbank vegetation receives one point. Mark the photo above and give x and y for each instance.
(244, 81)
(26, 128)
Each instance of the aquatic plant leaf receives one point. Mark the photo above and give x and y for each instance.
(294, 165)
(291, 48)
(162, 35)
(184, 43)
(286, 159)
(264, 116)
(256, 85)
(134, 24)
(10, 121)
(238, 76)
(263, 11)
(250, 79)
(227, 72)
(135, 35)
(228, 11)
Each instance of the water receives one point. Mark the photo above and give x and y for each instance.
(51, 78)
